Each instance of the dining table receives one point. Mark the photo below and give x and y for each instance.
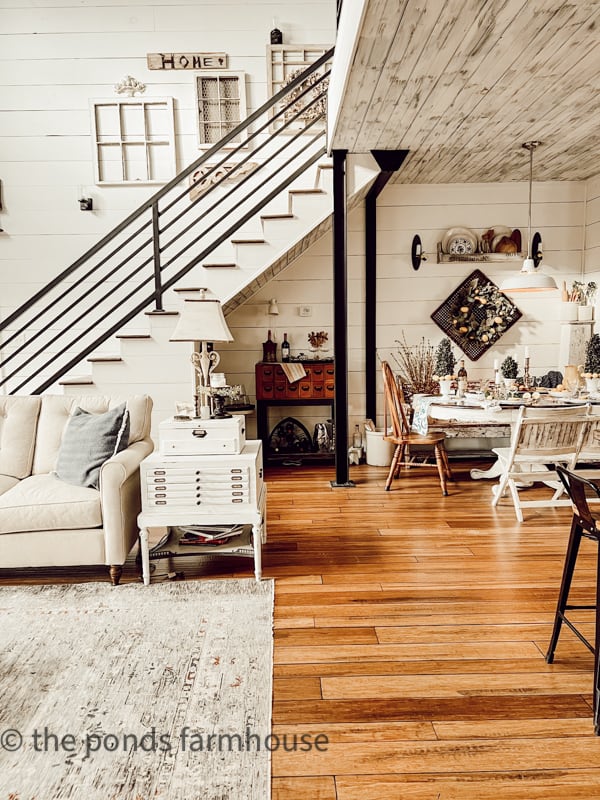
(476, 417)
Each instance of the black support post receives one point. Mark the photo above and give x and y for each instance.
(388, 161)
(340, 319)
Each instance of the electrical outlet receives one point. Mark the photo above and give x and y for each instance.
(305, 311)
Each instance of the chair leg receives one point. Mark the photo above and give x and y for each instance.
(449, 474)
(499, 489)
(515, 498)
(393, 466)
(439, 460)
(565, 586)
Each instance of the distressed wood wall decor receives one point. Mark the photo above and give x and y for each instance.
(201, 184)
(476, 315)
(187, 60)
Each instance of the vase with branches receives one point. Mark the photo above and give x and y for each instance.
(414, 367)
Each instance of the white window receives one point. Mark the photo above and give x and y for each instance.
(284, 63)
(134, 140)
(221, 98)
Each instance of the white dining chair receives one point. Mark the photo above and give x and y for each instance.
(541, 439)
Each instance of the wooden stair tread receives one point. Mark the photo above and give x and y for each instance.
(219, 266)
(133, 336)
(161, 313)
(277, 216)
(247, 241)
(104, 359)
(189, 289)
(325, 166)
(82, 380)
(306, 191)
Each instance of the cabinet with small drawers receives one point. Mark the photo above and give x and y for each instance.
(201, 490)
(316, 387)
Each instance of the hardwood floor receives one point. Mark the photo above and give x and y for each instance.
(410, 629)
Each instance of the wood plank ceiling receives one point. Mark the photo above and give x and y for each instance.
(463, 83)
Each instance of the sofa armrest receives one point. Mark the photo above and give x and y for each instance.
(121, 500)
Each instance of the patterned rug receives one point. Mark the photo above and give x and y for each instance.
(136, 693)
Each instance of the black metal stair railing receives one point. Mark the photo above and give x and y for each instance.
(170, 234)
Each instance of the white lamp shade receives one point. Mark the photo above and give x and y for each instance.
(529, 279)
(201, 320)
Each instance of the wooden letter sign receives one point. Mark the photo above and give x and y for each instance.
(187, 60)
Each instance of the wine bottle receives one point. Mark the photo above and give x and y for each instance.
(285, 348)
(462, 379)
(357, 438)
(269, 349)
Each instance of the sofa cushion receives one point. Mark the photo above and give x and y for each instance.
(56, 410)
(7, 482)
(44, 502)
(88, 441)
(18, 423)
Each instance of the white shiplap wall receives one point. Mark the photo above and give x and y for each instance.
(407, 298)
(56, 56)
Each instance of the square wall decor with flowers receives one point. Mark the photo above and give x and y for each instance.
(476, 315)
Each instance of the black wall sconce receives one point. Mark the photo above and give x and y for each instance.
(536, 249)
(416, 252)
(86, 204)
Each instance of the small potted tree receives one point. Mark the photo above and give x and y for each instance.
(444, 366)
(591, 368)
(509, 369)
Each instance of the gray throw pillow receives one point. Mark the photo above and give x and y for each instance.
(88, 441)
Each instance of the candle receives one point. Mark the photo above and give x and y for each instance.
(526, 352)
(495, 365)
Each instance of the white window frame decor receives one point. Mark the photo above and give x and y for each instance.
(284, 63)
(222, 100)
(129, 134)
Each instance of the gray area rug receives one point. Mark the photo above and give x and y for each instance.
(134, 692)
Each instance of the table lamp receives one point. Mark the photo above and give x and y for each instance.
(202, 320)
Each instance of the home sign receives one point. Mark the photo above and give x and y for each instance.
(187, 60)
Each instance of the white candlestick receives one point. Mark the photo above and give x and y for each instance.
(526, 352)
(495, 364)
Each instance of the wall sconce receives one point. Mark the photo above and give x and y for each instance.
(273, 309)
(85, 203)
(416, 252)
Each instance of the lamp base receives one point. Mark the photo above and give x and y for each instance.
(218, 408)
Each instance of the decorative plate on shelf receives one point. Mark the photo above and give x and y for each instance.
(459, 241)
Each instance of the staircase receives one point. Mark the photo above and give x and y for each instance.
(103, 324)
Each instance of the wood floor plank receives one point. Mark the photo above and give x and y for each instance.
(509, 785)
(315, 788)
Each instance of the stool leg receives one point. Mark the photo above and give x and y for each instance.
(596, 698)
(567, 577)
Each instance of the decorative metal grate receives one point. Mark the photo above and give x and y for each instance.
(476, 315)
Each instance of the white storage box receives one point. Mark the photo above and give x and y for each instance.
(185, 483)
(191, 437)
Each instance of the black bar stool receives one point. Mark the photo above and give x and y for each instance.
(583, 524)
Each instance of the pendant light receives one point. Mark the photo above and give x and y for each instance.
(530, 278)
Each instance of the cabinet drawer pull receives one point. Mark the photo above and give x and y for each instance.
(199, 433)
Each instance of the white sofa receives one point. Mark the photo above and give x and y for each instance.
(47, 522)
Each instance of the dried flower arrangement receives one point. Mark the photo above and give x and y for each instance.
(415, 367)
(317, 339)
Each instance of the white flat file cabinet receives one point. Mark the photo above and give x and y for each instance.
(205, 490)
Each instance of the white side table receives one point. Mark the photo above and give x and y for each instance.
(205, 490)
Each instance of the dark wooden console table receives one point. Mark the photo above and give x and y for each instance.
(317, 387)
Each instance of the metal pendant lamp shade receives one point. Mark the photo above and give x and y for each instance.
(530, 278)
(202, 319)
